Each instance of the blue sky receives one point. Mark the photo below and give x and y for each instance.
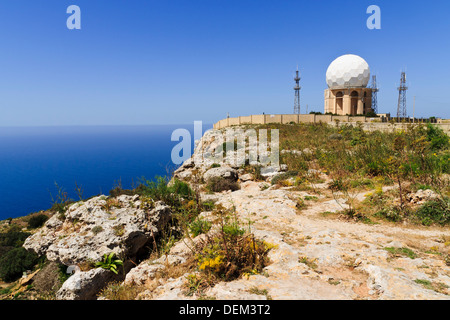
(173, 62)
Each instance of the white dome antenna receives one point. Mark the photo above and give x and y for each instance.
(348, 71)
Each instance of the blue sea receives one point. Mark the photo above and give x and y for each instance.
(96, 158)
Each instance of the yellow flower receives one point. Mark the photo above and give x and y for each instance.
(212, 263)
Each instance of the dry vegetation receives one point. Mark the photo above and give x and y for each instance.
(356, 161)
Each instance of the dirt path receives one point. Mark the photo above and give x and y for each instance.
(321, 257)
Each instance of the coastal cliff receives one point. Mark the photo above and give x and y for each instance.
(309, 237)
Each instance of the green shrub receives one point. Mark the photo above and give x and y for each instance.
(37, 221)
(182, 189)
(434, 212)
(171, 195)
(15, 262)
(13, 238)
(199, 226)
(4, 249)
(233, 229)
(208, 205)
(393, 214)
(437, 137)
(371, 114)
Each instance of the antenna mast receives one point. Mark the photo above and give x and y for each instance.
(297, 93)
(374, 94)
(401, 108)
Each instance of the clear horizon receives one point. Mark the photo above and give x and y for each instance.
(160, 62)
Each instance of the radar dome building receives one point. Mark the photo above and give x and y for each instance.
(347, 94)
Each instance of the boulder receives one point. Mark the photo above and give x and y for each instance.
(221, 172)
(246, 177)
(269, 171)
(84, 285)
(96, 227)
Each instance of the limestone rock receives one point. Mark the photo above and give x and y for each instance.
(422, 196)
(143, 272)
(221, 172)
(246, 177)
(94, 228)
(84, 285)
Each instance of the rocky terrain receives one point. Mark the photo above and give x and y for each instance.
(317, 253)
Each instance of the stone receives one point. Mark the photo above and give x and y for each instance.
(84, 285)
(90, 230)
(143, 272)
(421, 196)
(269, 171)
(246, 177)
(221, 172)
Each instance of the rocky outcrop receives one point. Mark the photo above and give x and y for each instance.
(318, 257)
(318, 253)
(204, 158)
(99, 226)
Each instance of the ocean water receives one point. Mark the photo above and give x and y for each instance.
(33, 159)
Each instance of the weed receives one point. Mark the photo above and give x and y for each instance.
(438, 287)
(333, 282)
(110, 263)
(195, 284)
(231, 251)
(60, 202)
(97, 229)
(110, 204)
(262, 292)
(199, 226)
(309, 262)
(401, 252)
(208, 205)
(300, 204)
(119, 291)
(119, 230)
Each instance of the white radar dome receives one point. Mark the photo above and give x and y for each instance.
(348, 71)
